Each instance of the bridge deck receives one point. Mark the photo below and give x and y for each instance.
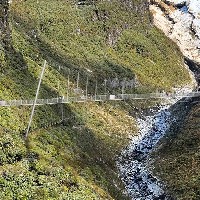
(96, 98)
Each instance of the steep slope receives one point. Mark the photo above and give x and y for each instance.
(177, 160)
(71, 150)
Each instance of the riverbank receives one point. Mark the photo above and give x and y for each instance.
(176, 159)
(134, 161)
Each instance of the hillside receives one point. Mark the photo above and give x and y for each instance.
(73, 157)
(176, 161)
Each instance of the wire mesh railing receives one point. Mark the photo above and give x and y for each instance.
(108, 97)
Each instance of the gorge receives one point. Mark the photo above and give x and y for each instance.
(180, 21)
(71, 150)
(133, 162)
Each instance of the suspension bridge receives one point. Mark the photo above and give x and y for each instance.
(83, 96)
(99, 98)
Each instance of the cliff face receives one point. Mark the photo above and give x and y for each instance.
(180, 21)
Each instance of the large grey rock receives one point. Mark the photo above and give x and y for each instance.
(181, 24)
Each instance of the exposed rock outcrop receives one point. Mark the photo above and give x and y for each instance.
(180, 21)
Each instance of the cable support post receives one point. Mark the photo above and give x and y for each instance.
(35, 101)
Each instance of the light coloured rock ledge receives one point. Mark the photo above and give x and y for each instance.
(180, 21)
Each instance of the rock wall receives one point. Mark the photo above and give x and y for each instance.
(180, 21)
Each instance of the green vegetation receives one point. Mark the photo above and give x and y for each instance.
(74, 158)
(177, 161)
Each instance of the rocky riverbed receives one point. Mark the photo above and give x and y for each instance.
(133, 162)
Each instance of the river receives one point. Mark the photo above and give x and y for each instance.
(133, 162)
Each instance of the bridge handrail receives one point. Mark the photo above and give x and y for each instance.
(102, 97)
